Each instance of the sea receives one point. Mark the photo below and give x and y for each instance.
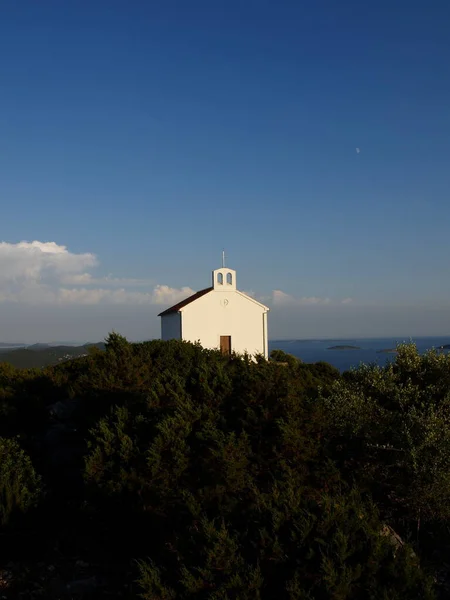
(364, 350)
(367, 350)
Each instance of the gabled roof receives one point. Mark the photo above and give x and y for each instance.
(176, 307)
(253, 300)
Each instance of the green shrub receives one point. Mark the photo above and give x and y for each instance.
(292, 548)
(20, 486)
(391, 428)
(223, 466)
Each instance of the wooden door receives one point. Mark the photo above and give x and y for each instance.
(225, 344)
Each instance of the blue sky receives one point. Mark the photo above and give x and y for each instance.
(152, 134)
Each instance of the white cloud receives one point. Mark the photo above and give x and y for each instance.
(109, 280)
(41, 273)
(101, 296)
(45, 273)
(34, 261)
(163, 294)
(280, 298)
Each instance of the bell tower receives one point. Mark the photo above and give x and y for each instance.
(224, 279)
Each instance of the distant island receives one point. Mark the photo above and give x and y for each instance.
(344, 348)
(444, 347)
(387, 351)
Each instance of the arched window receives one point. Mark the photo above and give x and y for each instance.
(220, 278)
(229, 278)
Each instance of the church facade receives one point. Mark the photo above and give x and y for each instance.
(219, 317)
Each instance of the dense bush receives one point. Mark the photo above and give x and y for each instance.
(238, 497)
(211, 477)
(391, 427)
(292, 547)
(20, 486)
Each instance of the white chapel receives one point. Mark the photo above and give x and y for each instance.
(219, 317)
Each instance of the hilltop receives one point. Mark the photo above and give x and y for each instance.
(161, 470)
(44, 355)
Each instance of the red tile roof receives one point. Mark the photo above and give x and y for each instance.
(176, 307)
